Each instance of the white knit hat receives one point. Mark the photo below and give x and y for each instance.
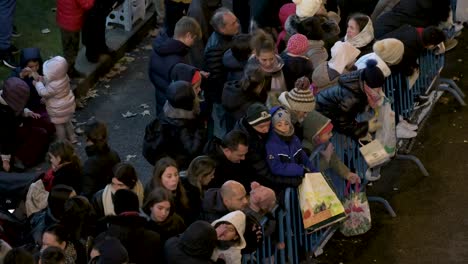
(307, 8)
(389, 50)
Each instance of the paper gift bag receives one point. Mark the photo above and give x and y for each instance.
(374, 153)
(319, 204)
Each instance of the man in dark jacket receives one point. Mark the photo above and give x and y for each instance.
(225, 26)
(194, 246)
(220, 201)
(228, 154)
(167, 52)
(143, 246)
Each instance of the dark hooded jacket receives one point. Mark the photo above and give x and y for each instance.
(194, 196)
(343, 102)
(143, 246)
(234, 67)
(26, 55)
(417, 13)
(167, 52)
(294, 68)
(173, 226)
(213, 206)
(98, 169)
(175, 135)
(194, 246)
(69, 174)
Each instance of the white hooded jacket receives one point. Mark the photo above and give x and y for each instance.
(233, 254)
(59, 99)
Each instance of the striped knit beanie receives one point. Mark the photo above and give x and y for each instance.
(300, 98)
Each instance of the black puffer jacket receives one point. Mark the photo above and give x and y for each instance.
(213, 63)
(234, 67)
(167, 52)
(294, 68)
(236, 101)
(417, 13)
(343, 102)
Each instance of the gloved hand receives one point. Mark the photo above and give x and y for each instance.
(374, 125)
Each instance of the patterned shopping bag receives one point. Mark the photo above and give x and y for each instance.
(358, 212)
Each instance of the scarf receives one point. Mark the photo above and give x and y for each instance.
(373, 97)
(107, 202)
(364, 37)
(177, 113)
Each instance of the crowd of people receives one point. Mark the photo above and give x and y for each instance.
(243, 96)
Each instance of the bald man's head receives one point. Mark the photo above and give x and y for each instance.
(234, 195)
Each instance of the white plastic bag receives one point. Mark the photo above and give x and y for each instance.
(387, 134)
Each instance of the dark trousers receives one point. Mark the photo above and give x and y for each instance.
(174, 12)
(70, 46)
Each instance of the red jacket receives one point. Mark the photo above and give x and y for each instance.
(70, 13)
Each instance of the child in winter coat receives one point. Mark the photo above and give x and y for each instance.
(296, 64)
(319, 131)
(284, 153)
(59, 98)
(230, 231)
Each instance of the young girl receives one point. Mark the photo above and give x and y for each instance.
(166, 175)
(265, 56)
(59, 99)
(65, 166)
(285, 156)
(159, 207)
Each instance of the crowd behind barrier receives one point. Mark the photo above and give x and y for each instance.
(300, 242)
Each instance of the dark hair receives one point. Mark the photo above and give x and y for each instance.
(432, 35)
(217, 20)
(159, 194)
(57, 197)
(65, 151)
(159, 168)
(252, 78)
(233, 139)
(59, 231)
(52, 255)
(241, 47)
(361, 20)
(187, 25)
(126, 173)
(261, 41)
(96, 132)
(18, 256)
(125, 201)
(200, 167)
(311, 27)
(78, 217)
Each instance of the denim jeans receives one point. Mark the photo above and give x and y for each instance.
(7, 11)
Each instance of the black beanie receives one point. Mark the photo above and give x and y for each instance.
(180, 95)
(125, 201)
(432, 35)
(372, 75)
(257, 113)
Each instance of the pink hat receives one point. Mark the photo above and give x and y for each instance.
(285, 11)
(297, 44)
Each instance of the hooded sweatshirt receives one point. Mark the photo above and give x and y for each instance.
(59, 98)
(232, 255)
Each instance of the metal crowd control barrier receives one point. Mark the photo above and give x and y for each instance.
(268, 252)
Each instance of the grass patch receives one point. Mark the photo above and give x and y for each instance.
(30, 18)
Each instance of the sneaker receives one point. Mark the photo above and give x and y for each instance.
(15, 33)
(404, 133)
(8, 60)
(373, 174)
(407, 125)
(450, 44)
